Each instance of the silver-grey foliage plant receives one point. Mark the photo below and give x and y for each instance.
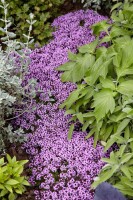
(11, 76)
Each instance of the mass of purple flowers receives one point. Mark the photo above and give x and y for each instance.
(61, 169)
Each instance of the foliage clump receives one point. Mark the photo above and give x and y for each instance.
(12, 182)
(13, 67)
(44, 10)
(103, 100)
(98, 4)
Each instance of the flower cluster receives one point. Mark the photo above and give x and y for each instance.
(61, 169)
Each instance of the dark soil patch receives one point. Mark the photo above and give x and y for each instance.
(69, 6)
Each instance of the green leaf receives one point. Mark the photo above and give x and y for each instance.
(125, 170)
(85, 126)
(118, 31)
(72, 56)
(23, 162)
(127, 133)
(25, 182)
(110, 142)
(70, 132)
(11, 182)
(73, 97)
(100, 68)
(127, 58)
(122, 125)
(126, 88)
(122, 150)
(101, 26)
(92, 131)
(103, 103)
(2, 187)
(8, 158)
(3, 192)
(75, 71)
(117, 5)
(9, 188)
(18, 191)
(80, 117)
(123, 72)
(126, 157)
(105, 39)
(1, 161)
(96, 137)
(66, 76)
(11, 196)
(89, 48)
(66, 67)
(107, 83)
(105, 176)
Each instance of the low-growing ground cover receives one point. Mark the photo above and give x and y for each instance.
(61, 169)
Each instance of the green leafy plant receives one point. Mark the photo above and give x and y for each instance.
(119, 167)
(103, 100)
(98, 4)
(44, 10)
(12, 182)
(11, 76)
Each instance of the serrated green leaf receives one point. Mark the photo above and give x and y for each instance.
(126, 88)
(73, 97)
(89, 48)
(66, 67)
(101, 26)
(127, 59)
(103, 103)
(66, 76)
(107, 83)
(118, 31)
(72, 56)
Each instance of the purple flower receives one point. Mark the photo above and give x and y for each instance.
(64, 169)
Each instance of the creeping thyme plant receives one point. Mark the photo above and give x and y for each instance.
(13, 67)
(103, 100)
(61, 169)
